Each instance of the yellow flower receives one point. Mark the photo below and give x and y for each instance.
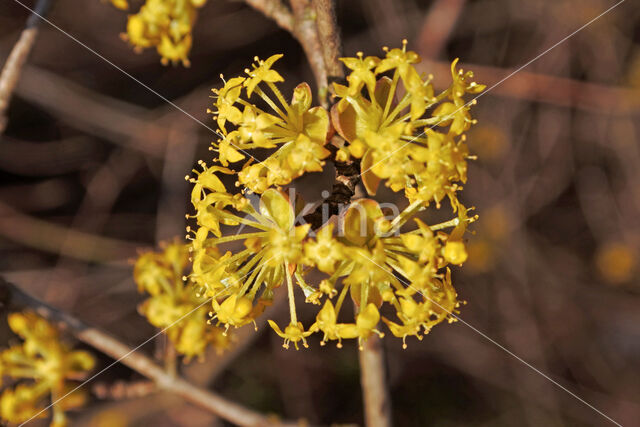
(394, 138)
(234, 311)
(165, 24)
(454, 252)
(120, 4)
(294, 333)
(365, 326)
(263, 73)
(173, 304)
(48, 364)
(361, 73)
(297, 131)
(410, 138)
(324, 251)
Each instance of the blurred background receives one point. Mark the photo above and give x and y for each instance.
(92, 168)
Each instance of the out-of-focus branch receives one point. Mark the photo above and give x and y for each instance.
(559, 91)
(124, 390)
(438, 26)
(18, 56)
(11, 70)
(55, 238)
(275, 10)
(377, 405)
(12, 297)
(92, 112)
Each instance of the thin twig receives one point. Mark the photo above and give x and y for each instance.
(93, 112)
(275, 10)
(537, 87)
(120, 390)
(18, 56)
(11, 70)
(438, 26)
(13, 297)
(62, 240)
(329, 35)
(305, 30)
(344, 188)
(374, 388)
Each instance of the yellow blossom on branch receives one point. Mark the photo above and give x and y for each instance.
(175, 305)
(250, 244)
(164, 24)
(295, 130)
(43, 366)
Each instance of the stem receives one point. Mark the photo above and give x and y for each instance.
(292, 302)
(329, 35)
(344, 188)
(377, 405)
(170, 358)
(275, 10)
(17, 58)
(305, 30)
(14, 298)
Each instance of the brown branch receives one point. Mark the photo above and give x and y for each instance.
(344, 188)
(55, 238)
(329, 35)
(438, 25)
(120, 390)
(275, 10)
(92, 112)
(11, 70)
(374, 388)
(14, 298)
(536, 87)
(305, 30)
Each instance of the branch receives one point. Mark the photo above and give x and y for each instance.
(304, 29)
(61, 240)
(13, 297)
(121, 390)
(438, 26)
(536, 87)
(377, 405)
(275, 10)
(344, 187)
(92, 112)
(18, 56)
(329, 35)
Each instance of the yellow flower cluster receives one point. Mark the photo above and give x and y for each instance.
(173, 303)
(373, 259)
(394, 132)
(43, 365)
(297, 130)
(163, 24)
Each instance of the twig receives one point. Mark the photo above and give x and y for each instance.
(438, 25)
(11, 296)
(305, 30)
(11, 70)
(560, 91)
(58, 239)
(329, 35)
(344, 188)
(374, 389)
(275, 10)
(18, 56)
(124, 390)
(92, 112)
